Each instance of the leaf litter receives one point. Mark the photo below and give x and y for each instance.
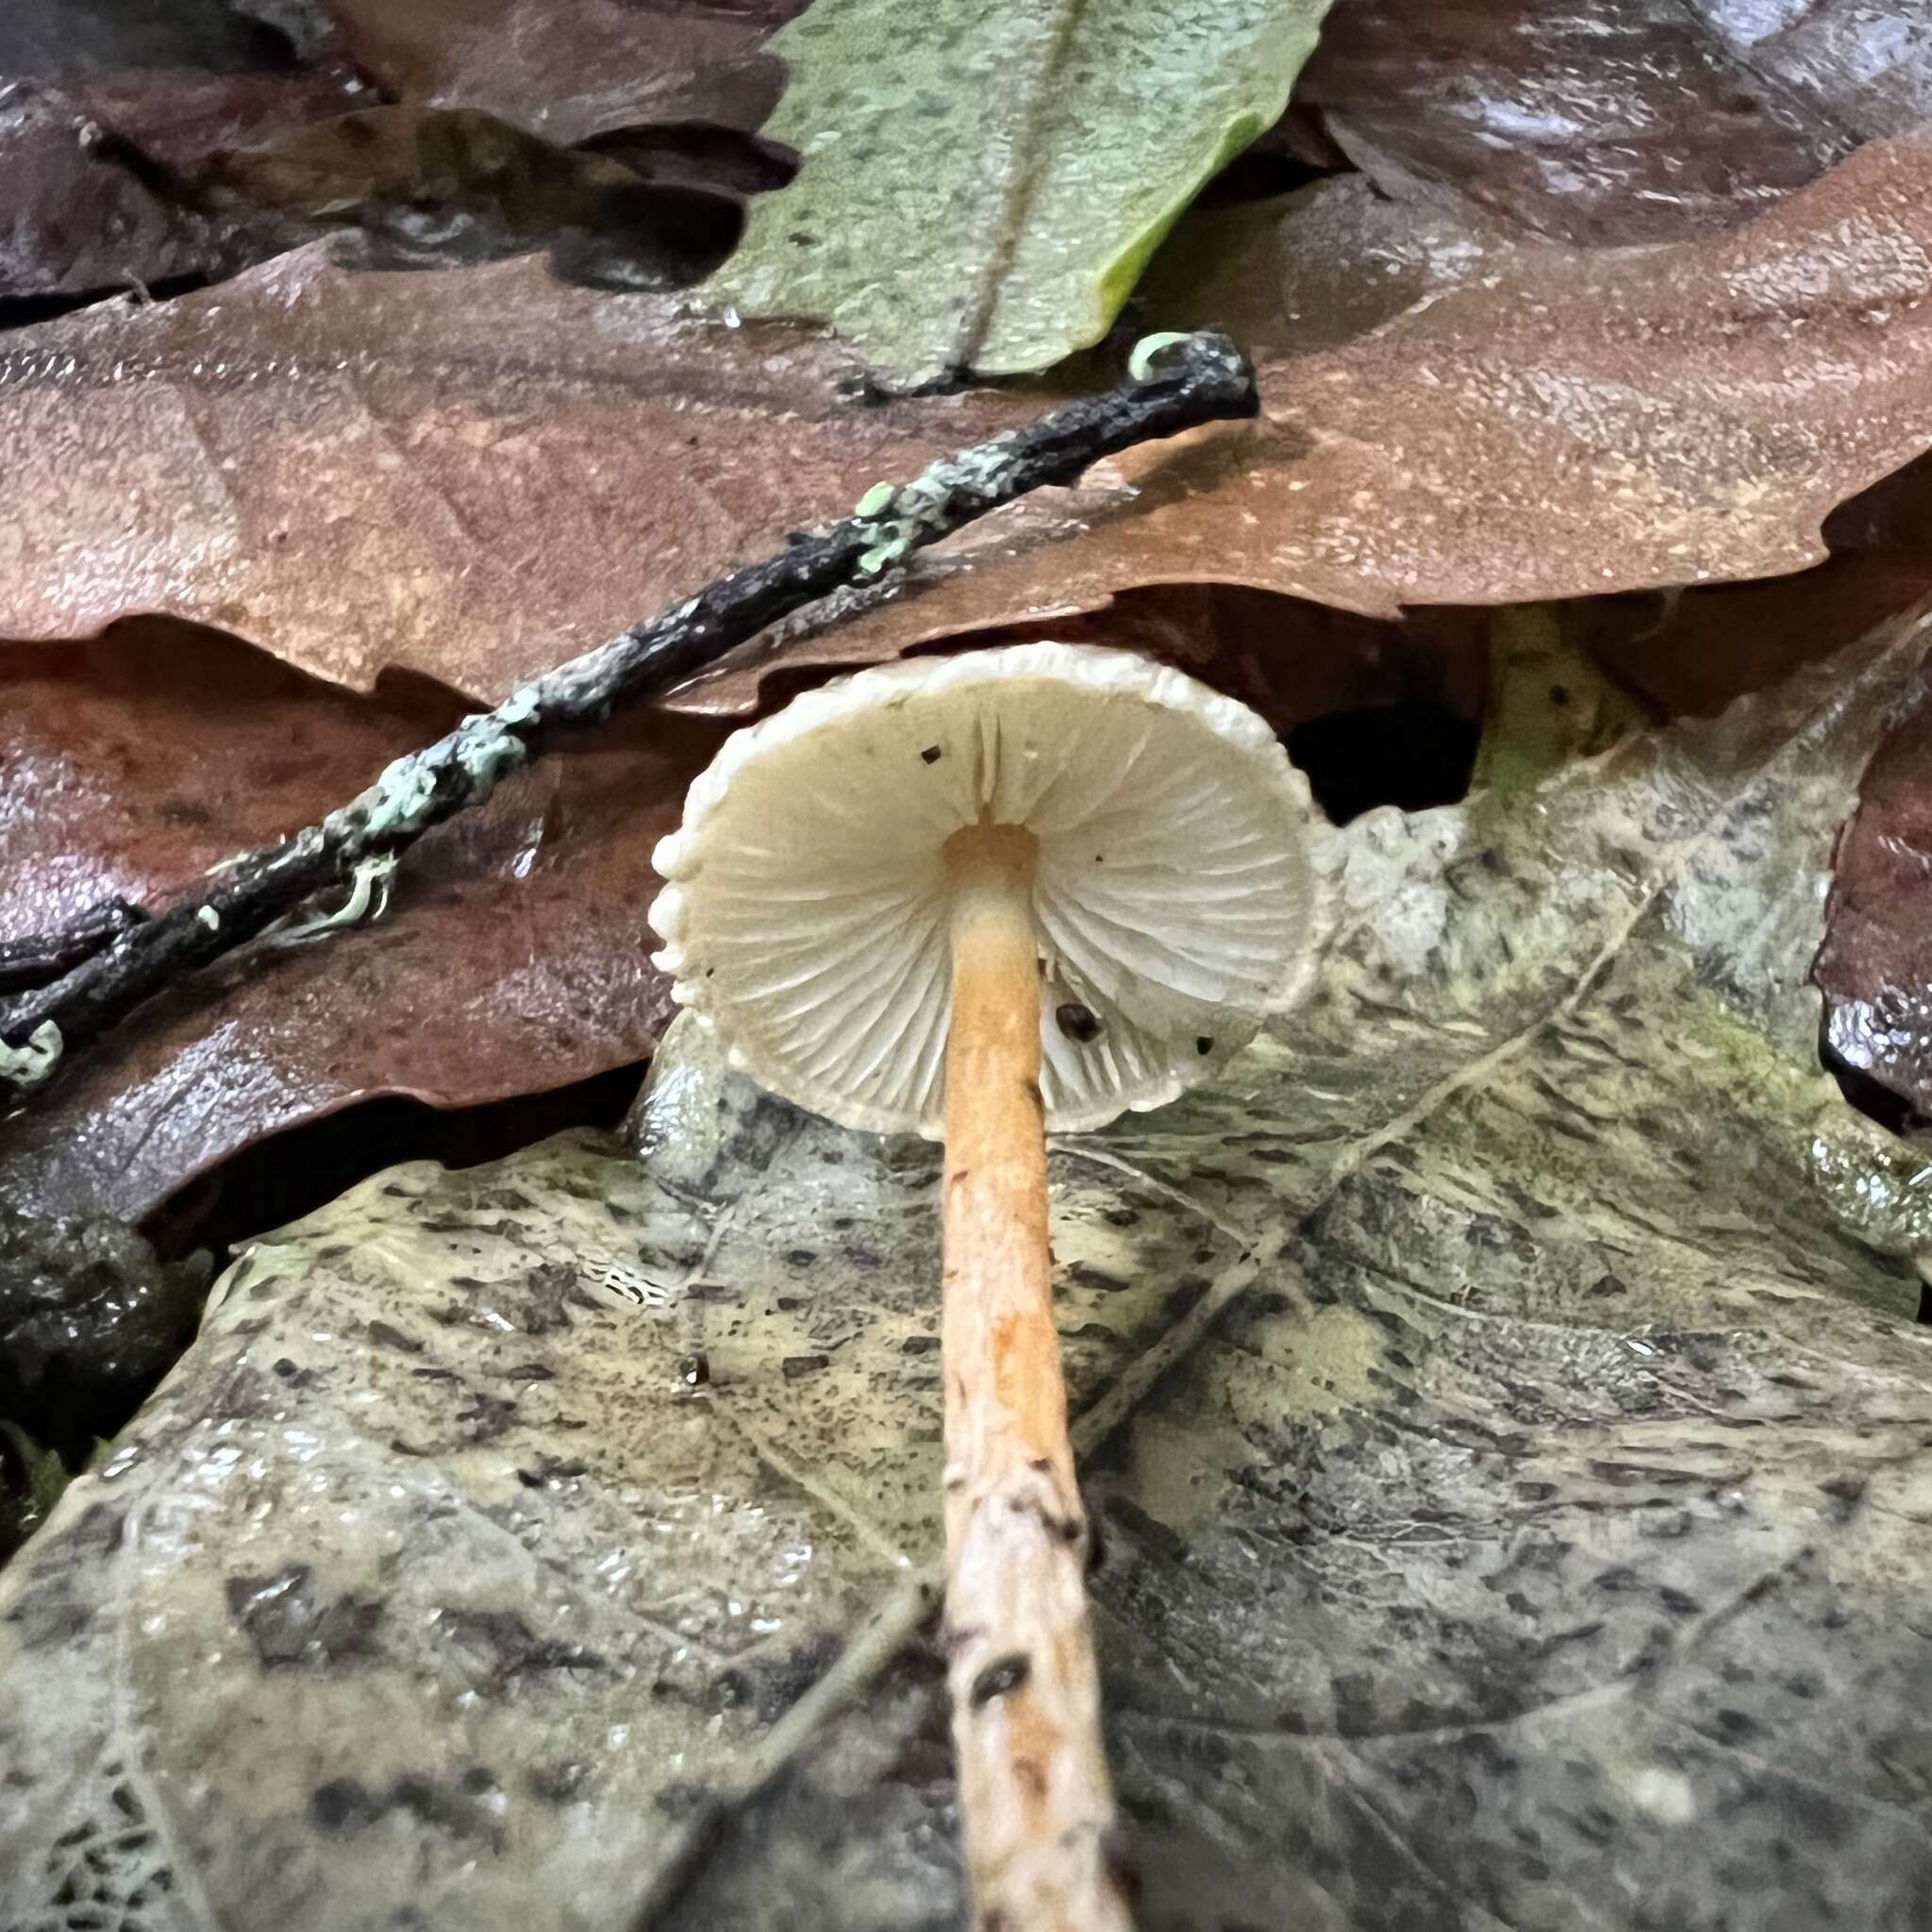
(1486, 1447)
(1481, 1435)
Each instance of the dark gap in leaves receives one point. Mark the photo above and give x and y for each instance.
(1414, 753)
(285, 1175)
(23, 311)
(660, 236)
(1877, 1102)
(1260, 174)
(696, 154)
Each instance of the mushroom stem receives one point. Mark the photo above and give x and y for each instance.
(1034, 1792)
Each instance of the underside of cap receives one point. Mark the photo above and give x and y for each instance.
(1175, 899)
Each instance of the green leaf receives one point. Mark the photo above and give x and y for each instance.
(983, 184)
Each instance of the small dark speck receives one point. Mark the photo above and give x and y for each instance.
(930, 755)
(1076, 1021)
(1003, 1675)
(1204, 1045)
(284, 1367)
(794, 1366)
(694, 1371)
(1098, 860)
(339, 1804)
(1560, 694)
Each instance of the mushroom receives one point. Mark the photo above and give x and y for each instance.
(982, 896)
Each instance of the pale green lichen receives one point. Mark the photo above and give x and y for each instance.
(368, 898)
(922, 508)
(29, 1065)
(397, 800)
(1150, 348)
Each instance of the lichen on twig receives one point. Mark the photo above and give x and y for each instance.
(79, 983)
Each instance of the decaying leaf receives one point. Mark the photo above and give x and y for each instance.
(457, 184)
(90, 1320)
(1500, 1395)
(83, 168)
(360, 471)
(1694, 649)
(1875, 965)
(514, 960)
(53, 39)
(981, 187)
(1581, 422)
(473, 474)
(1619, 120)
(570, 69)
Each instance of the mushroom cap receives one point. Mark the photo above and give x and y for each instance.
(1176, 896)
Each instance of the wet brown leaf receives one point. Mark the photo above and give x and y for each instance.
(1569, 423)
(514, 959)
(52, 37)
(476, 474)
(472, 475)
(1693, 651)
(457, 184)
(1875, 965)
(83, 212)
(570, 69)
(1618, 120)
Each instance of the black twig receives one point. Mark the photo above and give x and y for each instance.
(111, 959)
(45, 956)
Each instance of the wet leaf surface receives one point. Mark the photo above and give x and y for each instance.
(1582, 422)
(82, 173)
(54, 38)
(360, 470)
(1694, 649)
(1875, 965)
(473, 475)
(512, 961)
(571, 69)
(90, 1320)
(981, 188)
(443, 186)
(1616, 121)
(1500, 1395)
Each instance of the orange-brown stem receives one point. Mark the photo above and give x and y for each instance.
(1034, 1792)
